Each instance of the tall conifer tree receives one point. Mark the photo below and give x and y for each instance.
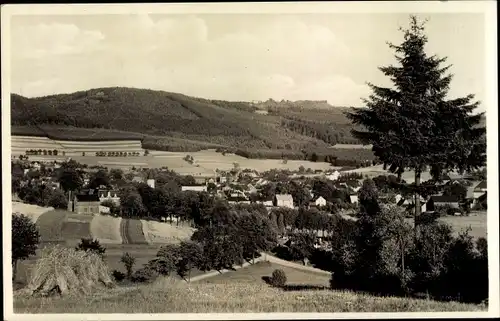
(414, 125)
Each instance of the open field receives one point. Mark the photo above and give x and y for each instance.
(32, 211)
(376, 170)
(211, 160)
(477, 223)
(206, 161)
(76, 227)
(254, 273)
(106, 229)
(168, 295)
(67, 227)
(156, 232)
(50, 225)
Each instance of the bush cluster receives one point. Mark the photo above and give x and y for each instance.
(382, 254)
(278, 278)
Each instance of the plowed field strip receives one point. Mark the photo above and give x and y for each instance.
(134, 232)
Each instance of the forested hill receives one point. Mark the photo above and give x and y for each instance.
(157, 114)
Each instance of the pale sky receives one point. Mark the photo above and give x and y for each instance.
(234, 56)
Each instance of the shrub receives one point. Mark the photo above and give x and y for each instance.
(25, 238)
(64, 270)
(89, 245)
(145, 274)
(118, 275)
(278, 278)
(129, 261)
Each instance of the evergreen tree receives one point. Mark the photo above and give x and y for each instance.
(414, 125)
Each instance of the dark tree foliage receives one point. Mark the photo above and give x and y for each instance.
(70, 176)
(191, 254)
(101, 177)
(25, 239)
(415, 125)
(166, 259)
(301, 245)
(90, 245)
(368, 198)
(455, 189)
(57, 199)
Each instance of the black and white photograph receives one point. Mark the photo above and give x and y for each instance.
(250, 160)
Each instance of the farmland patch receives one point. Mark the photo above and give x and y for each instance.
(165, 233)
(50, 225)
(106, 229)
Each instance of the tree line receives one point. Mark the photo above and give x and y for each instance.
(115, 154)
(44, 152)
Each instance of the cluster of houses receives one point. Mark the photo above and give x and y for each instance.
(239, 188)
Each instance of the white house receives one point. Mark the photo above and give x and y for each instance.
(197, 188)
(283, 200)
(320, 201)
(333, 176)
(354, 198)
(151, 183)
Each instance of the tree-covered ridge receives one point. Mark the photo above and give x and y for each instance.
(164, 114)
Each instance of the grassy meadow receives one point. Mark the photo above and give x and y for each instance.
(240, 291)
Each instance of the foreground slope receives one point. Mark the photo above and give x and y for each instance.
(169, 296)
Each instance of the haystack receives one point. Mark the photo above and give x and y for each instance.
(66, 270)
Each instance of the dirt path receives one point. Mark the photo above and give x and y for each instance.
(215, 273)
